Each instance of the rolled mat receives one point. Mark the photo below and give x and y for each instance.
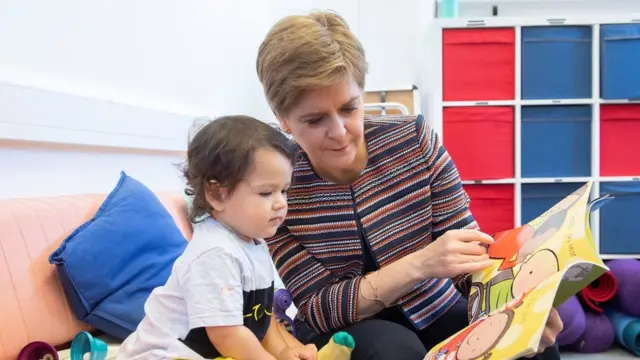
(627, 273)
(599, 291)
(627, 329)
(598, 336)
(38, 350)
(573, 320)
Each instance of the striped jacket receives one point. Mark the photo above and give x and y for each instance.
(409, 194)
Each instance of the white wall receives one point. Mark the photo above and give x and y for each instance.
(553, 8)
(30, 170)
(170, 54)
(83, 62)
(172, 58)
(175, 57)
(389, 31)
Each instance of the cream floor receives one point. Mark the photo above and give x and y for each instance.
(616, 353)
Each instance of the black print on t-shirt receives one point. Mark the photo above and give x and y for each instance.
(257, 308)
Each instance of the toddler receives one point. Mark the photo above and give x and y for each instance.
(218, 299)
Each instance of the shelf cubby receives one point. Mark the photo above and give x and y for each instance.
(556, 62)
(493, 204)
(530, 109)
(556, 141)
(619, 140)
(481, 140)
(488, 49)
(619, 225)
(538, 198)
(620, 56)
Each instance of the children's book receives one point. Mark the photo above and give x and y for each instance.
(536, 267)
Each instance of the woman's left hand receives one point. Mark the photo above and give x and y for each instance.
(551, 331)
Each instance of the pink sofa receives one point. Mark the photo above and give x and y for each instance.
(33, 304)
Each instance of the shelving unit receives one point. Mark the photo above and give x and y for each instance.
(532, 108)
(392, 101)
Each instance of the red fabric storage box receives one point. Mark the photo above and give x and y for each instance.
(478, 64)
(620, 140)
(492, 206)
(480, 141)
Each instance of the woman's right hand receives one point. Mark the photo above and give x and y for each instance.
(456, 252)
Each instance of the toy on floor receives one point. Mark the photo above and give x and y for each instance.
(281, 302)
(85, 347)
(338, 348)
(38, 350)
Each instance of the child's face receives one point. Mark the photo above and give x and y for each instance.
(258, 204)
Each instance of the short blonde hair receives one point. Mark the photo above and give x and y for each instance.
(303, 52)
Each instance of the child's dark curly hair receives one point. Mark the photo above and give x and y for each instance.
(222, 151)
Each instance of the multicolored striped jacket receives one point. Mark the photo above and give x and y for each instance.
(409, 194)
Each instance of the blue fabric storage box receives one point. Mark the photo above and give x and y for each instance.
(110, 264)
(538, 198)
(556, 62)
(619, 61)
(556, 141)
(619, 224)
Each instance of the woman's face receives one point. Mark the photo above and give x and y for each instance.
(328, 123)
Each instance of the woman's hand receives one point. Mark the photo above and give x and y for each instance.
(551, 330)
(454, 253)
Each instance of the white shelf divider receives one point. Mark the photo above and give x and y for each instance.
(495, 22)
(479, 103)
(561, 180)
(557, 102)
(595, 130)
(517, 131)
(489, 181)
(618, 178)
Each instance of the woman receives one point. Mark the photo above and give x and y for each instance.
(379, 237)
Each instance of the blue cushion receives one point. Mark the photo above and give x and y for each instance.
(109, 265)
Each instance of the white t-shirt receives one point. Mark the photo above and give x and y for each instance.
(278, 283)
(219, 280)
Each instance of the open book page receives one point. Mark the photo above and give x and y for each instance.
(537, 266)
(510, 332)
(527, 255)
(584, 265)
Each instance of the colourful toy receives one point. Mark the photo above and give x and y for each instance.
(38, 350)
(338, 348)
(281, 302)
(85, 344)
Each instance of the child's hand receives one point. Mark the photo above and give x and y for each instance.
(307, 352)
